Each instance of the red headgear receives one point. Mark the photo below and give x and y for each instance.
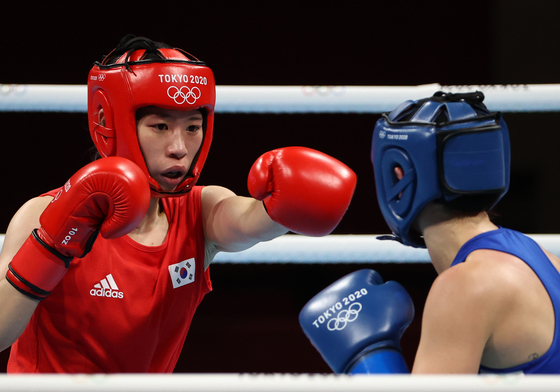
(140, 73)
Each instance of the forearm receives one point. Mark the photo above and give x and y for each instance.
(293, 189)
(15, 313)
(258, 225)
(248, 224)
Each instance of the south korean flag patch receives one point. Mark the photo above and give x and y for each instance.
(182, 273)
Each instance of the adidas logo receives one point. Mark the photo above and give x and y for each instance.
(106, 288)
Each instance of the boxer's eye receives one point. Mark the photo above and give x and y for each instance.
(194, 128)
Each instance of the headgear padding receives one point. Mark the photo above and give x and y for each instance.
(450, 147)
(141, 73)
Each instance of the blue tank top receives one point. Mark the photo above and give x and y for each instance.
(523, 247)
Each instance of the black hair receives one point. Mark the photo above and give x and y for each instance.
(130, 43)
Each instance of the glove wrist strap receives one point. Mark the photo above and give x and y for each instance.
(37, 268)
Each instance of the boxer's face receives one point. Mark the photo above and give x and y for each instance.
(169, 140)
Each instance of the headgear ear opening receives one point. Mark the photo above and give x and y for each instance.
(140, 73)
(103, 135)
(458, 151)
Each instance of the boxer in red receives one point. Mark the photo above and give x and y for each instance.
(105, 273)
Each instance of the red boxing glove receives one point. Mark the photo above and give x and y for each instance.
(109, 196)
(306, 191)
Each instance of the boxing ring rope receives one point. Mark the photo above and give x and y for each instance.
(311, 99)
(339, 248)
(223, 382)
(294, 248)
(297, 99)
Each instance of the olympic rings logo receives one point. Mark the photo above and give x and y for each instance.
(184, 94)
(8, 89)
(323, 90)
(344, 317)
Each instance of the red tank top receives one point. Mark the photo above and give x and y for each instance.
(124, 307)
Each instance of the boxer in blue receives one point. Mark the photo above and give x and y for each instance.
(440, 165)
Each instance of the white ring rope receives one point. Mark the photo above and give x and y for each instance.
(340, 248)
(297, 99)
(222, 382)
(295, 248)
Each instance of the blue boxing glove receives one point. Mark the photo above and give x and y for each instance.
(357, 323)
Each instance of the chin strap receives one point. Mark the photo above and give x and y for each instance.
(392, 237)
(389, 237)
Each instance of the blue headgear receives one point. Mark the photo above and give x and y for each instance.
(449, 147)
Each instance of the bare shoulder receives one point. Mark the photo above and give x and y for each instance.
(484, 310)
(27, 217)
(477, 293)
(23, 222)
(212, 197)
(464, 305)
(484, 277)
(211, 194)
(486, 286)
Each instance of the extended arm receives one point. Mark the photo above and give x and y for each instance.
(294, 188)
(234, 223)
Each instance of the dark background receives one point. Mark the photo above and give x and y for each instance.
(249, 322)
